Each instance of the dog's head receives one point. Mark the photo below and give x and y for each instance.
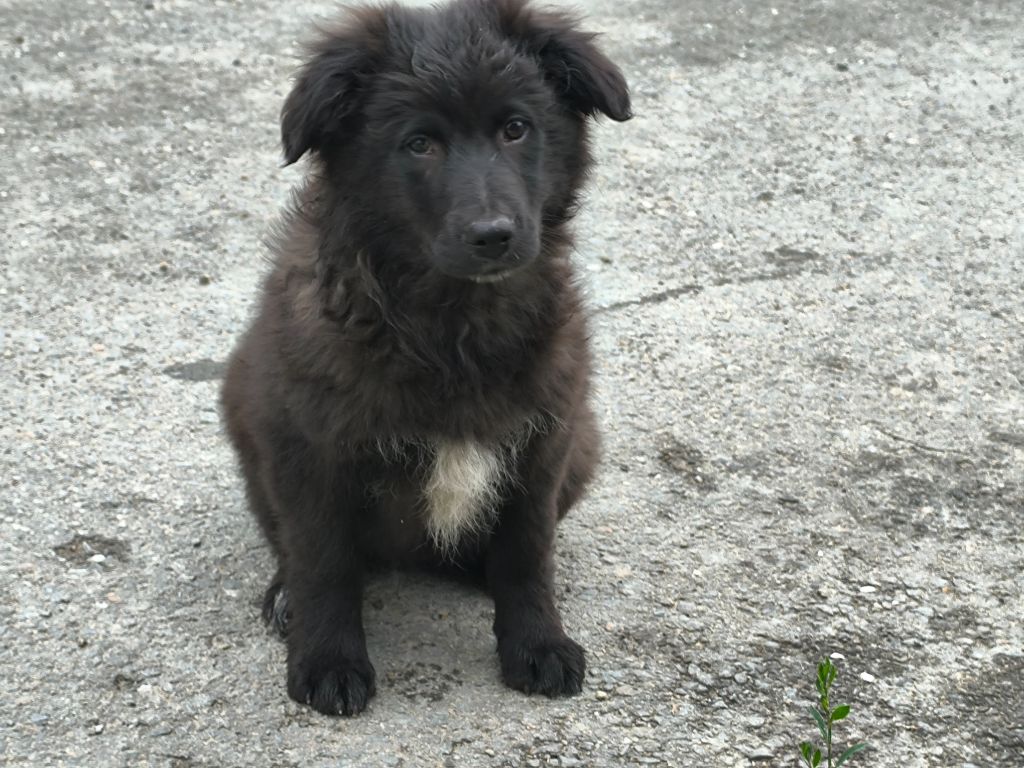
(454, 137)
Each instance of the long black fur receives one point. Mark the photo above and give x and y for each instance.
(374, 340)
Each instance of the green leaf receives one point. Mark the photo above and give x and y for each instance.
(850, 753)
(826, 674)
(816, 759)
(820, 721)
(839, 713)
(805, 750)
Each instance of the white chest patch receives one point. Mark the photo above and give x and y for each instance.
(462, 490)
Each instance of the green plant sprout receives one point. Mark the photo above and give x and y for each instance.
(824, 718)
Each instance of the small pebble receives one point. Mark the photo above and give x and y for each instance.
(760, 753)
(700, 675)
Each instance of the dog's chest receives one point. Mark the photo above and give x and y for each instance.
(461, 489)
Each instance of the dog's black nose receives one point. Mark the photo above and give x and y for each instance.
(489, 237)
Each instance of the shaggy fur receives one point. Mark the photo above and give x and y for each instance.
(414, 386)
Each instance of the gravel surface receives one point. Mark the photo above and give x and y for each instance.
(805, 258)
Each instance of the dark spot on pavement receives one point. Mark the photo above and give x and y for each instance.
(785, 255)
(871, 463)
(933, 494)
(687, 463)
(785, 262)
(123, 682)
(81, 548)
(836, 363)
(909, 381)
(954, 624)
(198, 370)
(1016, 439)
(997, 691)
(421, 681)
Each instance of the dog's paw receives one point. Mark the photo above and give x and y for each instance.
(331, 684)
(553, 666)
(276, 611)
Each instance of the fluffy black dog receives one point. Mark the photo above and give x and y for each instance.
(413, 389)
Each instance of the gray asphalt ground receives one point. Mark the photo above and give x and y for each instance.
(805, 257)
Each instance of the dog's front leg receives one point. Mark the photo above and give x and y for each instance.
(328, 666)
(535, 653)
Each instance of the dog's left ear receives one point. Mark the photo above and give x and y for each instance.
(583, 76)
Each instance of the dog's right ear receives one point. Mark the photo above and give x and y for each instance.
(581, 74)
(327, 89)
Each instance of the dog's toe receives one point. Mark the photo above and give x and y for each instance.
(553, 667)
(332, 686)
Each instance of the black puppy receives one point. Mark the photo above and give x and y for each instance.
(414, 386)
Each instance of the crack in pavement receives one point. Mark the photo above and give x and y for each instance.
(654, 298)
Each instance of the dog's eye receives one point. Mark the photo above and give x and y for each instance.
(515, 130)
(419, 145)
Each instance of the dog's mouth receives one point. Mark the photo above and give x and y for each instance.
(493, 277)
(485, 273)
